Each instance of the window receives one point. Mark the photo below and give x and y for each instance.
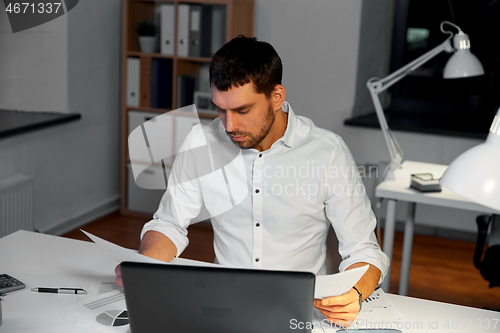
(426, 102)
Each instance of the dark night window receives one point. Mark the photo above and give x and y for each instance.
(426, 102)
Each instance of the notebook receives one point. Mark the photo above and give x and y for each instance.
(173, 298)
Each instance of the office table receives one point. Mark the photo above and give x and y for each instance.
(398, 189)
(50, 261)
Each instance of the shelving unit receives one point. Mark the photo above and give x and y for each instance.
(239, 20)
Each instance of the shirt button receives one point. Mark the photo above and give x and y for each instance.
(257, 191)
(256, 259)
(257, 224)
(260, 155)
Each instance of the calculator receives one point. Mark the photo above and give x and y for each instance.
(8, 283)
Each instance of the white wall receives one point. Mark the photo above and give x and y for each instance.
(33, 66)
(318, 43)
(325, 77)
(75, 165)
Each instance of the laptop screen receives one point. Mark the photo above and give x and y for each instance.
(175, 298)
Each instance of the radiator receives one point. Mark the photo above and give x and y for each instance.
(16, 204)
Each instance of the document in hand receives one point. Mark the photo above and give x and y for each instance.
(326, 285)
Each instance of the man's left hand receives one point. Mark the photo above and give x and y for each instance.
(340, 310)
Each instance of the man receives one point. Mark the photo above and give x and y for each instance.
(300, 179)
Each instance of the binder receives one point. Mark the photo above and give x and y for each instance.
(185, 90)
(167, 29)
(203, 79)
(194, 30)
(206, 31)
(182, 30)
(218, 28)
(161, 83)
(133, 74)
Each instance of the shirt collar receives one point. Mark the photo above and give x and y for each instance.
(295, 128)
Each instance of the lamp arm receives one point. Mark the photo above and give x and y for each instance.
(380, 85)
(377, 86)
(395, 150)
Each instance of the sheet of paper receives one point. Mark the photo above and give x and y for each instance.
(337, 284)
(326, 285)
(122, 254)
(377, 307)
(377, 311)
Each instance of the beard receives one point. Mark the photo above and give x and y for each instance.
(254, 139)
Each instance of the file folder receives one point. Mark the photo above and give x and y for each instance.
(202, 81)
(185, 90)
(167, 28)
(206, 31)
(194, 30)
(218, 28)
(182, 30)
(161, 83)
(133, 73)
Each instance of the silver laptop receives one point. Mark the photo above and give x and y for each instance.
(184, 299)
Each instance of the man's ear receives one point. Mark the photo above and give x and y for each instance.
(278, 97)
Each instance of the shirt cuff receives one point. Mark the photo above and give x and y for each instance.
(177, 235)
(373, 257)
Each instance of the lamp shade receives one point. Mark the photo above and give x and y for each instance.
(476, 173)
(462, 63)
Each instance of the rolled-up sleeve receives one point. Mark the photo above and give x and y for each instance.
(349, 211)
(178, 207)
(182, 201)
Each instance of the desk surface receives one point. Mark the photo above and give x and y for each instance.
(399, 189)
(42, 260)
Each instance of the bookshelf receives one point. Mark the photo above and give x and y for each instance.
(140, 75)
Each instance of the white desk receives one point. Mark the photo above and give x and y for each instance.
(399, 189)
(41, 260)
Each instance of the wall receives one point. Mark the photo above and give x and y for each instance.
(318, 43)
(329, 50)
(75, 165)
(33, 63)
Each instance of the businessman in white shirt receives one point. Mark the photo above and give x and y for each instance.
(290, 182)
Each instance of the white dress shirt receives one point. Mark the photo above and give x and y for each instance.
(271, 209)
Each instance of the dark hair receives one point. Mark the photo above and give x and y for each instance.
(243, 60)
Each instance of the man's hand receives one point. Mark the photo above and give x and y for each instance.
(118, 273)
(340, 310)
(154, 245)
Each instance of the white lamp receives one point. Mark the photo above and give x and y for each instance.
(461, 64)
(476, 173)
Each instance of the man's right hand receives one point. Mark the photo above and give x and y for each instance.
(118, 273)
(155, 245)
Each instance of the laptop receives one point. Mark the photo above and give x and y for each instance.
(184, 299)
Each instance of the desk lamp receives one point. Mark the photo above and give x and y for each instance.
(476, 173)
(460, 65)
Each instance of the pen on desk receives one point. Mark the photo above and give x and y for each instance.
(77, 291)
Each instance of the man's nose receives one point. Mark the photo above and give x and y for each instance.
(232, 121)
